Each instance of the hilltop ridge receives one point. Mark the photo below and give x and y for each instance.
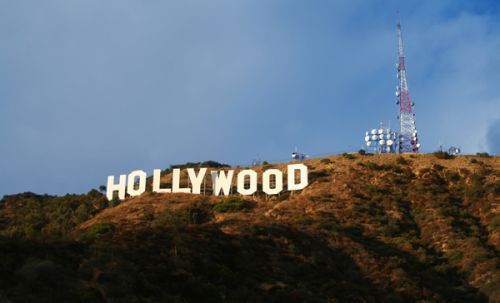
(368, 228)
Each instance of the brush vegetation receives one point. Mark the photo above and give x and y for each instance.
(368, 228)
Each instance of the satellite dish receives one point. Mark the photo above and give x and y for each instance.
(397, 93)
(390, 142)
(454, 150)
(381, 142)
(381, 131)
(374, 131)
(366, 134)
(368, 143)
(418, 144)
(367, 138)
(374, 137)
(388, 136)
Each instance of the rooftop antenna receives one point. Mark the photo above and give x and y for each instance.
(408, 139)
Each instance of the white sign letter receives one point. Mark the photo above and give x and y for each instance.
(196, 180)
(176, 182)
(241, 182)
(156, 182)
(291, 176)
(131, 182)
(221, 181)
(266, 181)
(112, 187)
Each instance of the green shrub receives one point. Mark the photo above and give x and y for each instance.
(452, 176)
(443, 155)
(192, 213)
(402, 161)
(438, 167)
(373, 166)
(483, 155)
(50, 215)
(353, 229)
(385, 167)
(232, 204)
(455, 256)
(209, 163)
(348, 156)
(496, 188)
(476, 189)
(196, 213)
(494, 223)
(115, 202)
(325, 161)
(97, 230)
(320, 175)
(322, 198)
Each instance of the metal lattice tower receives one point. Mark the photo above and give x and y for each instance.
(408, 139)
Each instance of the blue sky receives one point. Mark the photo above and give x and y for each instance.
(90, 88)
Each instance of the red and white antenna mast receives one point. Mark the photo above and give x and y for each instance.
(408, 139)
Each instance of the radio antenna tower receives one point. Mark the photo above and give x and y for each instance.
(408, 140)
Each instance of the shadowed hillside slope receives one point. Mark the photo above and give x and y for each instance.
(368, 228)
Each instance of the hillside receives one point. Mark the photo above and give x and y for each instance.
(368, 228)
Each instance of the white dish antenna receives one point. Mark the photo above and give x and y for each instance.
(381, 140)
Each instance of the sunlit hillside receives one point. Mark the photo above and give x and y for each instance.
(368, 228)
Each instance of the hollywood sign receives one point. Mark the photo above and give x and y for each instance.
(134, 183)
